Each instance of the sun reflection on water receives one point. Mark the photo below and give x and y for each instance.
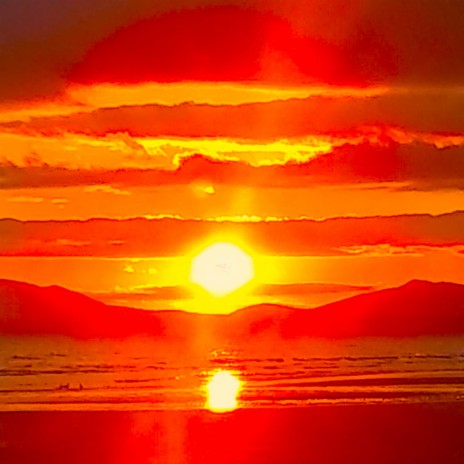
(223, 389)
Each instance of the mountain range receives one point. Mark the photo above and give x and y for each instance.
(417, 308)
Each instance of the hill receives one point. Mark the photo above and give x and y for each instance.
(27, 309)
(414, 309)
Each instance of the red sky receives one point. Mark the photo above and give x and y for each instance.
(326, 138)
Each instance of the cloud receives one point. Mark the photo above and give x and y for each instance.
(310, 289)
(435, 111)
(419, 166)
(46, 44)
(146, 293)
(385, 250)
(211, 93)
(221, 43)
(225, 43)
(106, 189)
(143, 295)
(60, 201)
(413, 166)
(135, 237)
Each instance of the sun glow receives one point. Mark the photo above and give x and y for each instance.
(217, 93)
(223, 390)
(222, 268)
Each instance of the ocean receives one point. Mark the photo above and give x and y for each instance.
(63, 374)
(139, 401)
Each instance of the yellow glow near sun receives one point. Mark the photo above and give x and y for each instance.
(223, 390)
(217, 93)
(222, 268)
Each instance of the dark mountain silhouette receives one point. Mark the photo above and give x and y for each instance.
(30, 310)
(414, 309)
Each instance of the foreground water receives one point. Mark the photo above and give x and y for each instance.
(142, 374)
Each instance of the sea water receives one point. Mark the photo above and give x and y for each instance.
(142, 373)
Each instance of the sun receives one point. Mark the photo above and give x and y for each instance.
(223, 389)
(222, 268)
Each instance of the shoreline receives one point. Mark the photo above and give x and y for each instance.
(425, 432)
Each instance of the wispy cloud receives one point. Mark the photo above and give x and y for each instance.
(411, 110)
(412, 166)
(106, 189)
(380, 236)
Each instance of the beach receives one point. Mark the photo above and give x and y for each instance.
(393, 433)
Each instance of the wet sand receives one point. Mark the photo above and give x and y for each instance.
(413, 433)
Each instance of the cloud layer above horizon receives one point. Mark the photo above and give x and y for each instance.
(309, 129)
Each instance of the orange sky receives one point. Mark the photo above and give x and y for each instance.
(327, 137)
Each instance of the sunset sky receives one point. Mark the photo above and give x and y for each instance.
(325, 138)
